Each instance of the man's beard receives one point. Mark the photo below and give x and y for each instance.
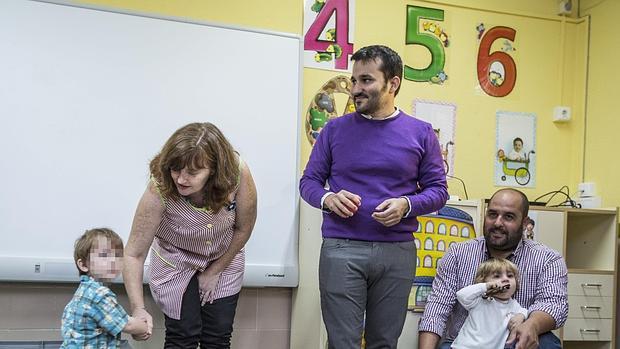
(510, 241)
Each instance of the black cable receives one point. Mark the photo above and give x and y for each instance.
(462, 182)
(553, 193)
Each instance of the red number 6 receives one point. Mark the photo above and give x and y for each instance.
(486, 58)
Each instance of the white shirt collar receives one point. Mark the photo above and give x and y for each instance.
(370, 117)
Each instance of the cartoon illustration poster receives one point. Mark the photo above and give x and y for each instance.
(497, 60)
(530, 231)
(436, 233)
(332, 100)
(328, 34)
(443, 118)
(426, 30)
(515, 158)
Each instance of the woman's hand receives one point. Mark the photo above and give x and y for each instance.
(141, 313)
(207, 282)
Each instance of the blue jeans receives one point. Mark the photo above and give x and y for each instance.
(546, 340)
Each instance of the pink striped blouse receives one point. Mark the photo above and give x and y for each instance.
(187, 241)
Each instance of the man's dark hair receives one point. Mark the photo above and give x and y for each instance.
(525, 203)
(391, 64)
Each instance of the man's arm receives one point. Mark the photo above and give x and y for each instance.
(551, 294)
(526, 334)
(318, 168)
(428, 340)
(550, 309)
(432, 178)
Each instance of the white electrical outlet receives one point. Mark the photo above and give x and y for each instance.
(561, 114)
(586, 189)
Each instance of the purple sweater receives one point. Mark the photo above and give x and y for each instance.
(377, 160)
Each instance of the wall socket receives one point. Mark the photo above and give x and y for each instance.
(561, 114)
(586, 189)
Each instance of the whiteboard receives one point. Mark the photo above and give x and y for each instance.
(88, 97)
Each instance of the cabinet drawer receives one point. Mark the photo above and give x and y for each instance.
(590, 285)
(590, 307)
(587, 330)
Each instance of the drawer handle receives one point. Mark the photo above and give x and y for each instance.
(590, 307)
(588, 330)
(591, 285)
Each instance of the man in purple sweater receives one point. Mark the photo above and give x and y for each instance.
(382, 168)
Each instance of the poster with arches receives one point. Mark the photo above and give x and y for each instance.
(458, 221)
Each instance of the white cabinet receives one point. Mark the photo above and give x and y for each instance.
(587, 238)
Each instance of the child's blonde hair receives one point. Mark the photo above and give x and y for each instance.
(493, 265)
(85, 243)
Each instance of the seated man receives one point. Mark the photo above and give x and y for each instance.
(544, 279)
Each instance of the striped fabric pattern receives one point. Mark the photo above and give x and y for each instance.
(543, 286)
(187, 241)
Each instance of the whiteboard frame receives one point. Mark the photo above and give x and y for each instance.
(63, 269)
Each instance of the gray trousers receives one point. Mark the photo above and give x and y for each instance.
(358, 278)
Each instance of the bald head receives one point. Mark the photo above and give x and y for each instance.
(524, 203)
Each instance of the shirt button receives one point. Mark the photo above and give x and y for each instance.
(209, 225)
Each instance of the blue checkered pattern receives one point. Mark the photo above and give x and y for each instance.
(93, 319)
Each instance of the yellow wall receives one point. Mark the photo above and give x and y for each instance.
(274, 15)
(540, 83)
(543, 61)
(603, 117)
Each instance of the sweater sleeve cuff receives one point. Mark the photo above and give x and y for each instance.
(408, 203)
(323, 208)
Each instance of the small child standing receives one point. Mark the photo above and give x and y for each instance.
(492, 310)
(93, 318)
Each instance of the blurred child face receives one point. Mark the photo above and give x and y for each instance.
(105, 262)
(504, 277)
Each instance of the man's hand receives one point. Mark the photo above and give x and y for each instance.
(515, 321)
(391, 211)
(343, 203)
(526, 335)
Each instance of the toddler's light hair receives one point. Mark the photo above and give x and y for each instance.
(493, 265)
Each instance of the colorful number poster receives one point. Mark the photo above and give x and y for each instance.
(328, 34)
(515, 157)
(496, 66)
(426, 28)
(443, 118)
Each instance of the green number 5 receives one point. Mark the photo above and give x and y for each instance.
(431, 42)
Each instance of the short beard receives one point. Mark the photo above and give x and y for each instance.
(511, 243)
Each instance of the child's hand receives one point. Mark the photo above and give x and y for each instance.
(138, 327)
(515, 321)
(493, 288)
(496, 287)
